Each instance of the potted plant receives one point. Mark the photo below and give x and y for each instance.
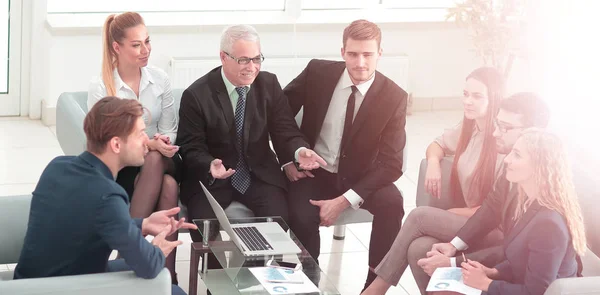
(496, 27)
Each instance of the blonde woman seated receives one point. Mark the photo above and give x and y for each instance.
(473, 173)
(548, 233)
(126, 74)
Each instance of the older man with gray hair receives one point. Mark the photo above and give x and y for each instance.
(226, 119)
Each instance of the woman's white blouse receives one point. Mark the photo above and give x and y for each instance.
(155, 95)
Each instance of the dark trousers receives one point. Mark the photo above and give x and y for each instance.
(126, 179)
(386, 205)
(262, 198)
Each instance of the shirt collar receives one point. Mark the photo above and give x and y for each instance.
(362, 87)
(97, 163)
(145, 80)
(228, 85)
(118, 81)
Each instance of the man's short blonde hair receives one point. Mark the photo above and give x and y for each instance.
(362, 30)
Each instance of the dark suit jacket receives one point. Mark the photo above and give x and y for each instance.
(538, 251)
(207, 130)
(496, 211)
(78, 215)
(371, 157)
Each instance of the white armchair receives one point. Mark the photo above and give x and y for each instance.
(14, 213)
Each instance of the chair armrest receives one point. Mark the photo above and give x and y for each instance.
(114, 283)
(350, 216)
(425, 199)
(572, 286)
(69, 124)
(14, 215)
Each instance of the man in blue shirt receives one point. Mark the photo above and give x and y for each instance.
(79, 214)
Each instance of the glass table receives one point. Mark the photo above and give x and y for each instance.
(236, 277)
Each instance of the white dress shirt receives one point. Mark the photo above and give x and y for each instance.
(155, 95)
(460, 245)
(329, 141)
(231, 92)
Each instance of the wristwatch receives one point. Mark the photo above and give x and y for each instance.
(298, 166)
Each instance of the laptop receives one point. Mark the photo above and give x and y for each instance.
(261, 238)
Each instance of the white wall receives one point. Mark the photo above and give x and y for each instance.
(440, 54)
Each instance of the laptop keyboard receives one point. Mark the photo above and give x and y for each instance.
(253, 239)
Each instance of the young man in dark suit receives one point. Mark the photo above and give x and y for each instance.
(226, 120)
(79, 214)
(354, 117)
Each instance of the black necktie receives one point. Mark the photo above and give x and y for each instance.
(240, 180)
(349, 115)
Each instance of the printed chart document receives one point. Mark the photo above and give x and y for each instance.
(450, 279)
(283, 281)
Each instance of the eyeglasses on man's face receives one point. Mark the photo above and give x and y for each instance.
(246, 60)
(505, 128)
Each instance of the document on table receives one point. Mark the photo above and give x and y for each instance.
(298, 281)
(450, 279)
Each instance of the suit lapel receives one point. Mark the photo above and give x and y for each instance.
(226, 108)
(222, 98)
(508, 209)
(367, 105)
(249, 114)
(523, 222)
(323, 95)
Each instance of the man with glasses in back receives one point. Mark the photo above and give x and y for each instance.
(226, 120)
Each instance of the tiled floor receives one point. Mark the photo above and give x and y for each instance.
(26, 147)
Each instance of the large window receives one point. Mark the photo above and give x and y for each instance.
(68, 14)
(78, 6)
(360, 4)
(104, 6)
(420, 3)
(10, 57)
(338, 4)
(4, 45)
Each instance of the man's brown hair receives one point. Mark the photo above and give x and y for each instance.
(362, 30)
(110, 117)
